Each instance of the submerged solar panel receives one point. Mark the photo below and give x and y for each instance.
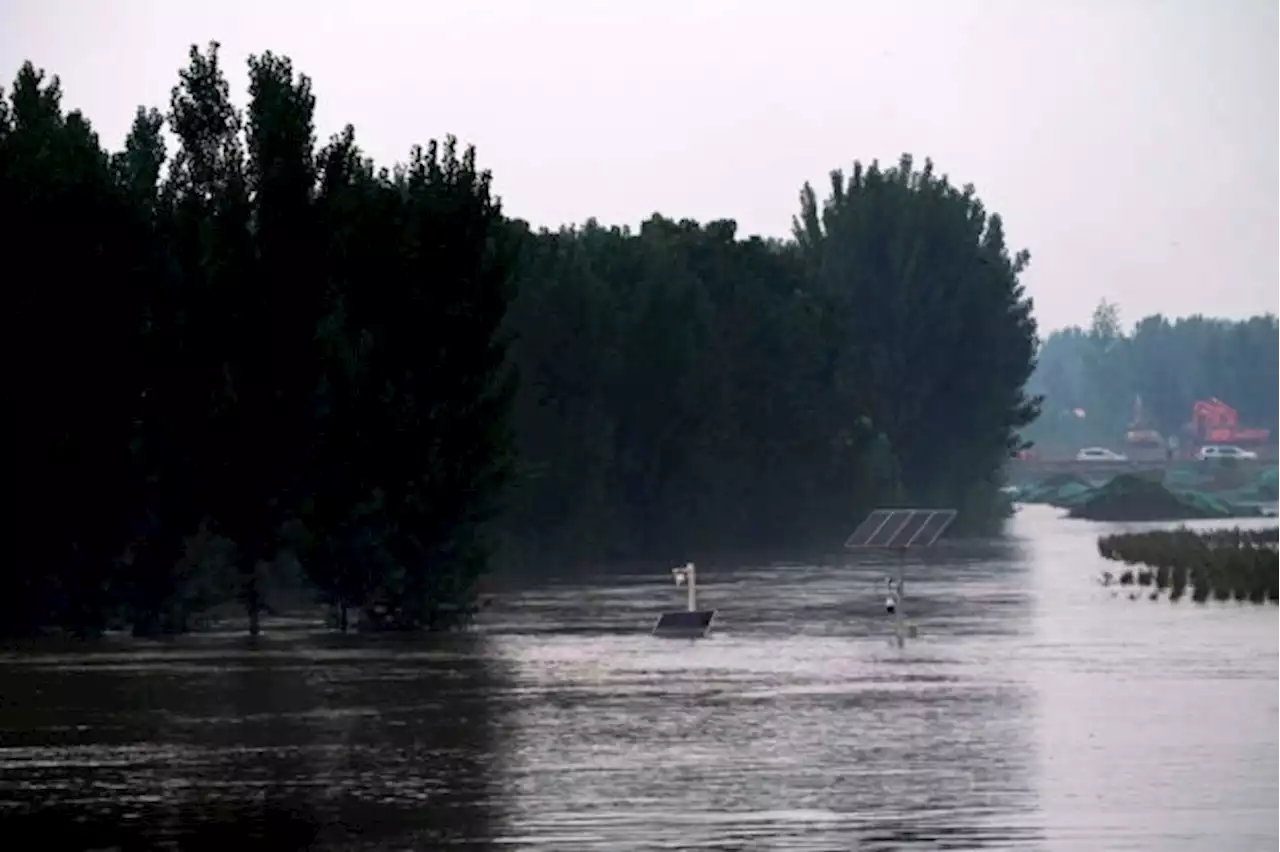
(900, 528)
(868, 528)
(933, 528)
(684, 623)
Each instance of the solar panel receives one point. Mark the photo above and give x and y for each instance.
(894, 529)
(684, 624)
(868, 528)
(933, 528)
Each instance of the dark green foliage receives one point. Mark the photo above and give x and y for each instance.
(416, 384)
(249, 353)
(1223, 564)
(932, 335)
(286, 351)
(673, 400)
(70, 381)
(685, 391)
(246, 241)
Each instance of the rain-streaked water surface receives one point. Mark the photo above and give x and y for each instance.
(1035, 710)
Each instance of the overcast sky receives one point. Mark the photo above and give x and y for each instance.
(1131, 145)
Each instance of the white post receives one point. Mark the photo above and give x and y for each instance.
(688, 575)
(901, 595)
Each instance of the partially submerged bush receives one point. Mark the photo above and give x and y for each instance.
(1225, 564)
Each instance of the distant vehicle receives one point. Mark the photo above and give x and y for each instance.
(1224, 451)
(1100, 454)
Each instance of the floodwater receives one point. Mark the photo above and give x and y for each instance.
(1034, 711)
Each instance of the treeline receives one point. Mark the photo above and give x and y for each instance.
(301, 355)
(686, 391)
(1169, 364)
(284, 345)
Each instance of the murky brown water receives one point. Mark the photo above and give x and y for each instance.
(1034, 711)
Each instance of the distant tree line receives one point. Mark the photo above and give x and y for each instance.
(298, 355)
(1090, 379)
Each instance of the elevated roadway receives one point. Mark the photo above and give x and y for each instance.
(1024, 471)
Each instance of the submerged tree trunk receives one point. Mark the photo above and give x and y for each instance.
(252, 594)
(156, 591)
(253, 606)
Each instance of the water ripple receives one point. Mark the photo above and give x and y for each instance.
(1035, 711)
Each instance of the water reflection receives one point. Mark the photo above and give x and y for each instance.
(1034, 711)
(294, 743)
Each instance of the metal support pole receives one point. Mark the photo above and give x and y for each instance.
(689, 576)
(900, 530)
(900, 625)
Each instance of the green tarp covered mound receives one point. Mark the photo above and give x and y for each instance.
(1269, 482)
(1221, 477)
(1184, 491)
(1135, 498)
(1188, 476)
(1247, 490)
(1054, 490)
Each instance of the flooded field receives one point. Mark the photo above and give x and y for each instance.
(1035, 711)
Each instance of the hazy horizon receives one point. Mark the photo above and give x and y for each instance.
(1131, 146)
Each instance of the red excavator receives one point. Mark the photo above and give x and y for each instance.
(1215, 422)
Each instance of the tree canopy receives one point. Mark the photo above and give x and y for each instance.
(249, 334)
(283, 347)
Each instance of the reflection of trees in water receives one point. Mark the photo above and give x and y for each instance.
(330, 745)
(897, 834)
(410, 753)
(387, 742)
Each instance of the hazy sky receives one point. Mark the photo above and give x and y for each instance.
(1131, 145)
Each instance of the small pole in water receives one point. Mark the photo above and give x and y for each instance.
(899, 531)
(900, 627)
(893, 602)
(688, 575)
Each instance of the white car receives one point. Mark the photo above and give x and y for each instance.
(1224, 451)
(1100, 454)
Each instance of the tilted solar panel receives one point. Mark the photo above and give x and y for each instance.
(893, 529)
